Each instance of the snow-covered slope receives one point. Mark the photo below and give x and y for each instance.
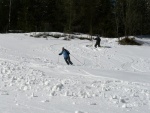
(110, 79)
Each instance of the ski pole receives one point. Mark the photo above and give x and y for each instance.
(58, 60)
(77, 60)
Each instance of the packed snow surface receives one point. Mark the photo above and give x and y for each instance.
(109, 79)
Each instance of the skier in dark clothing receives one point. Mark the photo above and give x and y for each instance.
(98, 40)
(66, 53)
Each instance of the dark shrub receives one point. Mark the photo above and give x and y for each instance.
(128, 41)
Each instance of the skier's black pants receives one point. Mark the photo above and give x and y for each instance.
(68, 60)
(97, 44)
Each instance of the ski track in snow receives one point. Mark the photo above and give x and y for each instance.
(52, 78)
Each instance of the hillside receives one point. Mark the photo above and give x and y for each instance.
(110, 79)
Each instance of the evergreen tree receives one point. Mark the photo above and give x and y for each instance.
(104, 17)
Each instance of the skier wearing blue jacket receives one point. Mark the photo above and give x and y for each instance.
(66, 53)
